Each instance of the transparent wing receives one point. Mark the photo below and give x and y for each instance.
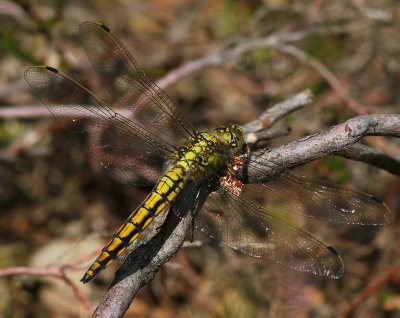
(131, 153)
(251, 229)
(128, 85)
(291, 192)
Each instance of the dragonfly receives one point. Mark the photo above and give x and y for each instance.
(155, 145)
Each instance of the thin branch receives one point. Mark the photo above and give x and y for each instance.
(266, 120)
(220, 57)
(51, 271)
(275, 113)
(327, 75)
(34, 111)
(391, 274)
(319, 145)
(22, 270)
(267, 134)
(371, 156)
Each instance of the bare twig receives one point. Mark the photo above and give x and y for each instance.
(371, 156)
(222, 56)
(319, 145)
(391, 274)
(266, 120)
(275, 113)
(51, 271)
(267, 134)
(22, 270)
(326, 74)
(34, 111)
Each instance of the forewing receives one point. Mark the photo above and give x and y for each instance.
(128, 85)
(127, 150)
(251, 229)
(291, 192)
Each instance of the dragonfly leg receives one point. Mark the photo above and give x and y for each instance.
(197, 205)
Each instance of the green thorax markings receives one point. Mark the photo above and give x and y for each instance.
(210, 152)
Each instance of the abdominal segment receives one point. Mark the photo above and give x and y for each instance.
(162, 195)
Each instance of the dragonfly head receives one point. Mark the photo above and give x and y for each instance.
(231, 136)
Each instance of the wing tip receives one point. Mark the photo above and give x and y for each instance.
(32, 72)
(89, 24)
(385, 216)
(27, 73)
(336, 269)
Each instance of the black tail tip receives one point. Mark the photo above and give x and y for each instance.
(86, 278)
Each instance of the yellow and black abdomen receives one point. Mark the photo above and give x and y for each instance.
(162, 195)
(193, 162)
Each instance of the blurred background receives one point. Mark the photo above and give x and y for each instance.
(58, 207)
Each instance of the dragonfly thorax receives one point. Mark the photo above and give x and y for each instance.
(231, 138)
(213, 150)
